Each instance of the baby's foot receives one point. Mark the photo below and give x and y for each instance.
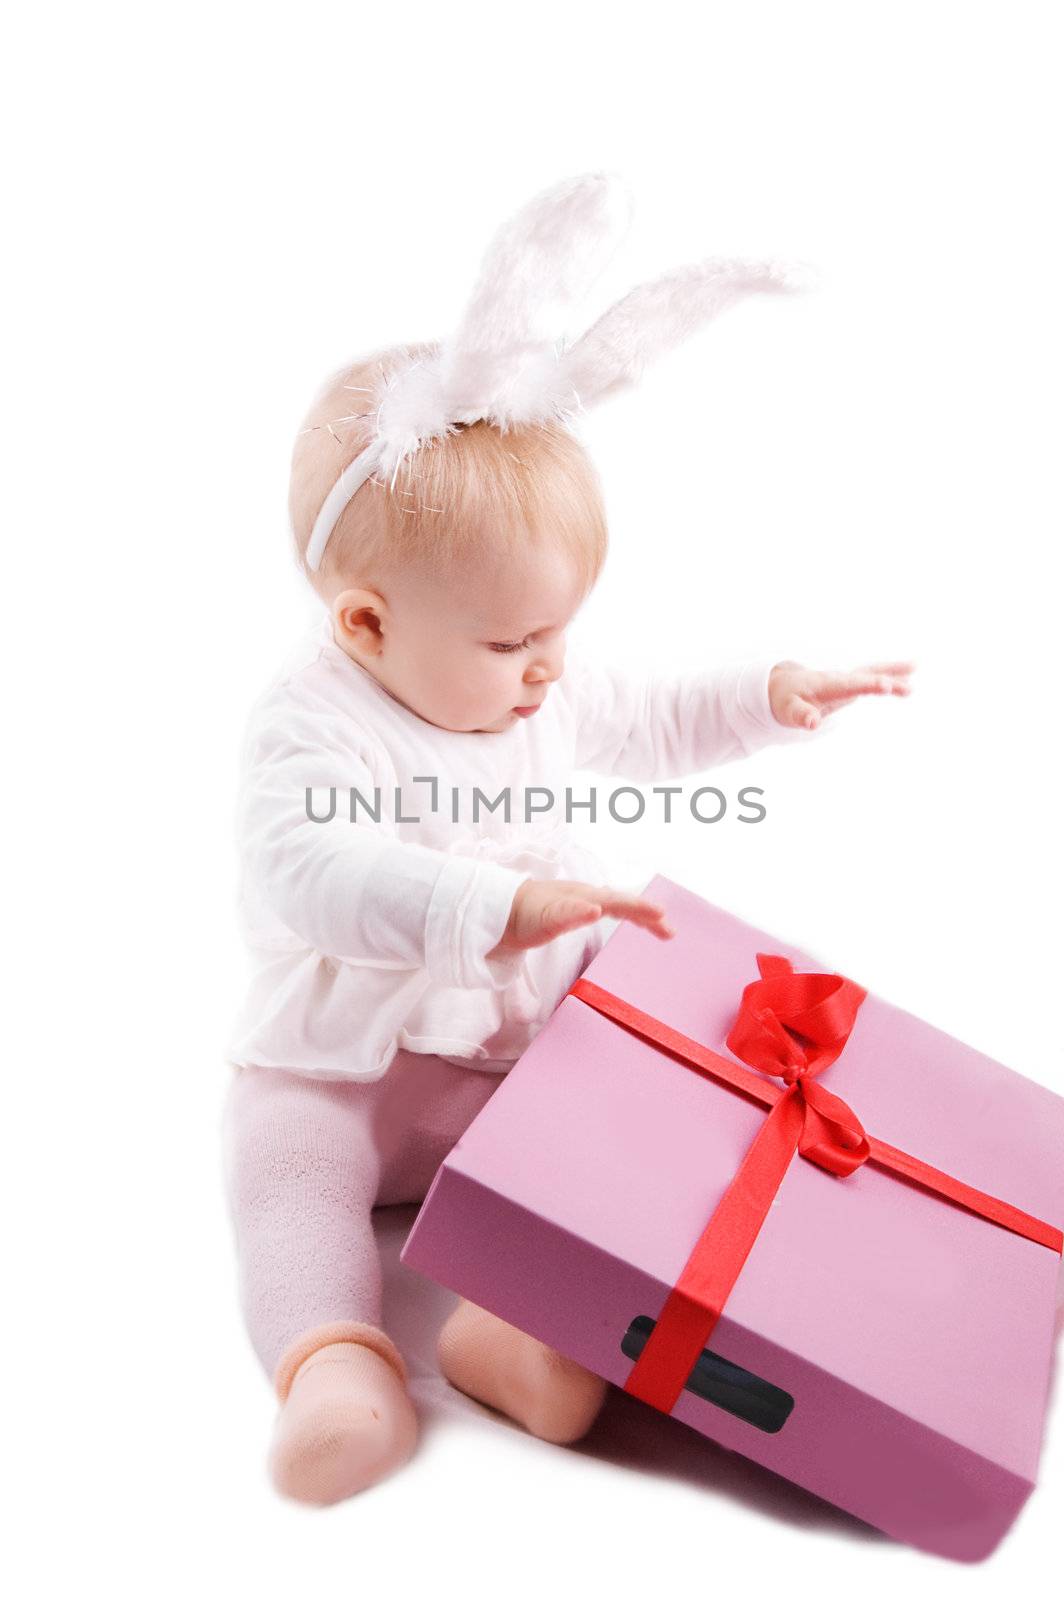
(500, 1366)
(346, 1422)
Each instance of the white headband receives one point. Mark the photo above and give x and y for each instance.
(338, 499)
(507, 364)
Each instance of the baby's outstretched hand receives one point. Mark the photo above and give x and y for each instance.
(802, 698)
(543, 908)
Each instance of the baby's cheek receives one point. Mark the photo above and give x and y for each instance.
(496, 680)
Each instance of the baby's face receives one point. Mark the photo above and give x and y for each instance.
(472, 653)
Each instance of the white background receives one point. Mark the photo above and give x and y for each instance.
(209, 208)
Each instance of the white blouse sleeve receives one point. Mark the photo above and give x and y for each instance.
(664, 725)
(354, 890)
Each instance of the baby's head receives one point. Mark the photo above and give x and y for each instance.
(454, 585)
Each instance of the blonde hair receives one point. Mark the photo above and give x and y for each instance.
(474, 490)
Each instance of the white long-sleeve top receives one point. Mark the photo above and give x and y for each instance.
(371, 936)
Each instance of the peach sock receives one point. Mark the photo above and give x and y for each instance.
(346, 1418)
(502, 1367)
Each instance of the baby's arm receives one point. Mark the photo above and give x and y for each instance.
(670, 725)
(354, 890)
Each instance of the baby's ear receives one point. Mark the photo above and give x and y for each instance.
(656, 316)
(537, 269)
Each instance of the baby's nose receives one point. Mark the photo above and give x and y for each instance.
(543, 672)
(545, 665)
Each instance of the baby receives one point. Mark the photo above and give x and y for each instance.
(411, 932)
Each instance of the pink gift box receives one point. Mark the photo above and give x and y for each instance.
(885, 1349)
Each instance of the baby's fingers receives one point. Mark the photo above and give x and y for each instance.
(899, 669)
(834, 688)
(572, 912)
(800, 713)
(631, 909)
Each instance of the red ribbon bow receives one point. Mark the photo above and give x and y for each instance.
(792, 1025)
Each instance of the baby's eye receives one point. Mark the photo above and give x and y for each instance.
(521, 644)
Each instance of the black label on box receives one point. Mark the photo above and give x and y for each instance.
(723, 1384)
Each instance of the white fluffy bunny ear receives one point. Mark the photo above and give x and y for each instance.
(508, 363)
(538, 268)
(656, 316)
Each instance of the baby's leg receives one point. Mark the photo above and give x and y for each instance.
(497, 1364)
(302, 1172)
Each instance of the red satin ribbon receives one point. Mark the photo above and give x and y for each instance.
(793, 1025)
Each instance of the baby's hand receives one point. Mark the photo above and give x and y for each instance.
(801, 698)
(545, 908)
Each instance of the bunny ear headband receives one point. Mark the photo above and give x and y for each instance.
(507, 364)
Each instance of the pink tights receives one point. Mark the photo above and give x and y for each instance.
(306, 1162)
